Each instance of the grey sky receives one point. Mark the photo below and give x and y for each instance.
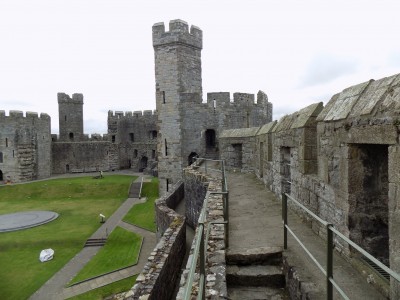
(298, 52)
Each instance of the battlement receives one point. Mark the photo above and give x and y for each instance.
(65, 98)
(127, 114)
(17, 114)
(223, 98)
(178, 34)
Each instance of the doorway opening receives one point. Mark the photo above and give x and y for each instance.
(368, 199)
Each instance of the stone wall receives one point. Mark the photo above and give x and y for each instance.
(25, 146)
(340, 161)
(158, 277)
(75, 157)
(215, 280)
(196, 185)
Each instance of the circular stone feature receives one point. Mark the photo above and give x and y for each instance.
(25, 219)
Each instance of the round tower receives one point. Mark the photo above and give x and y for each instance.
(177, 55)
(70, 115)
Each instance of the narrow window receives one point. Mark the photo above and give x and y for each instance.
(131, 137)
(166, 148)
(67, 168)
(6, 142)
(71, 136)
(13, 153)
(153, 154)
(113, 138)
(167, 185)
(135, 153)
(1, 157)
(163, 97)
(65, 118)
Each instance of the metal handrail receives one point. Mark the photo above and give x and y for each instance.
(330, 246)
(203, 233)
(140, 191)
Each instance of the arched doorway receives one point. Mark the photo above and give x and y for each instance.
(192, 158)
(1, 175)
(143, 164)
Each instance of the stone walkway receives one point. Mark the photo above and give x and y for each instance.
(255, 221)
(54, 288)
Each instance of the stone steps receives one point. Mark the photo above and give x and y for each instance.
(256, 293)
(261, 255)
(255, 273)
(134, 190)
(95, 242)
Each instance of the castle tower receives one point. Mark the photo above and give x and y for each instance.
(177, 55)
(70, 115)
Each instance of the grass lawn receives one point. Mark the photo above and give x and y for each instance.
(108, 290)
(143, 214)
(78, 202)
(121, 250)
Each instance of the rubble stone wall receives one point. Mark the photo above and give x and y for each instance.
(160, 274)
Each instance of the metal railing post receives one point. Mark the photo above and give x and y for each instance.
(284, 219)
(329, 262)
(227, 219)
(202, 263)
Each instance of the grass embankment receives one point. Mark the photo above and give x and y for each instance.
(108, 290)
(78, 202)
(143, 214)
(120, 251)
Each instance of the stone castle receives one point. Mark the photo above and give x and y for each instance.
(340, 160)
(160, 142)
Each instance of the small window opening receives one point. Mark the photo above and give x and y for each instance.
(65, 118)
(71, 136)
(153, 134)
(1, 175)
(163, 97)
(167, 185)
(13, 153)
(153, 154)
(131, 137)
(135, 153)
(113, 138)
(1, 157)
(166, 148)
(6, 142)
(67, 168)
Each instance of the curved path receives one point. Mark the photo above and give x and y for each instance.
(54, 288)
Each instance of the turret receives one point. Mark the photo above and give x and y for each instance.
(70, 114)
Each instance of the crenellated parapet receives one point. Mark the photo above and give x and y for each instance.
(239, 99)
(17, 115)
(178, 34)
(130, 114)
(65, 98)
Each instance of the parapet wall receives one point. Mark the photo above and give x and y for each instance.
(178, 34)
(158, 277)
(215, 257)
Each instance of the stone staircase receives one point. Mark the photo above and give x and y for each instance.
(95, 242)
(255, 274)
(134, 190)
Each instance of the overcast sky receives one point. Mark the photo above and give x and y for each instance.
(298, 52)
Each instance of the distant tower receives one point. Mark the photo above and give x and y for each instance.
(70, 114)
(177, 55)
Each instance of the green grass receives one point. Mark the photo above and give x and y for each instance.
(78, 202)
(143, 214)
(108, 290)
(121, 250)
